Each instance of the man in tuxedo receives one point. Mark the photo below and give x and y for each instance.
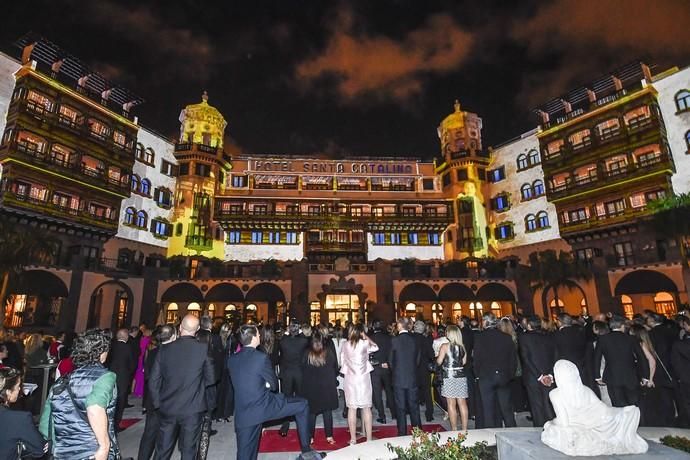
(181, 372)
(404, 359)
(680, 360)
(538, 357)
(381, 375)
(426, 355)
(495, 363)
(571, 342)
(292, 348)
(256, 400)
(163, 335)
(123, 364)
(473, 400)
(625, 361)
(662, 335)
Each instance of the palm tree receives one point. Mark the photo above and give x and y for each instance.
(671, 217)
(20, 245)
(548, 270)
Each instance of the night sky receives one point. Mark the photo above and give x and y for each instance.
(371, 77)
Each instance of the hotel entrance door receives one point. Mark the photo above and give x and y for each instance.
(343, 307)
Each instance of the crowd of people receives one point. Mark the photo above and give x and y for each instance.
(198, 373)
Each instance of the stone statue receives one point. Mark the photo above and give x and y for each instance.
(586, 426)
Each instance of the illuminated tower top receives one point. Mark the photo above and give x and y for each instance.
(202, 124)
(460, 132)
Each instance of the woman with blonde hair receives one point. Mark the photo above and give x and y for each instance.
(452, 359)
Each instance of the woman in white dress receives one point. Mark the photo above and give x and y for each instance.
(357, 385)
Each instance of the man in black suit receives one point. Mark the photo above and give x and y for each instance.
(381, 375)
(181, 372)
(625, 361)
(662, 334)
(426, 355)
(256, 400)
(123, 364)
(571, 342)
(680, 360)
(292, 348)
(473, 400)
(538, 357)
(495, 364)
(404, 359)
(163, 335)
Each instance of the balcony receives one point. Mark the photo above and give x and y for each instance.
(72, 167)
(77, 127)
(594, 221)
(330, 216)
(335, 246)
(192, 147)
(603, 177)
(470, 244)
(50, 209)
(198, 243)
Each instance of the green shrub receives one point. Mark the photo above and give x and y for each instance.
(426, 446)
(677, 442)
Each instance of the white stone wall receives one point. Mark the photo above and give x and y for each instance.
(390, 252)
(163, 150)
(507, 155)
(249, 252)
(677, 124)
(8, 67)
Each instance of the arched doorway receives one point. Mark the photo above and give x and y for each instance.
(110, 306)
(421, 295)
(36, 299)
(648, 290)
(266, 298)
(498, 298)
(181, 295)
(460, 296)
(571, 299)
(220, 296)
(342, 301)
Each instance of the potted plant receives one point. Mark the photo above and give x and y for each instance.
(427, 446)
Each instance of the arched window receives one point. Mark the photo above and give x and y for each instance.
(141, 219)
(171, 313)
(530, 223)
(683, 100)
(145, 187)
(457, 311)
(538, 187)
(129, 216)
(533, 157)
(496, 309)
(194, 309)
(627, 303)
(136, 181)
(140, 152)
(526, 192)
(149, 155)
(437, 313)
(665, 304)
(522, 162)
(230, 307)
(542, 219)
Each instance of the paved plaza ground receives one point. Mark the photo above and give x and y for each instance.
(223, 444)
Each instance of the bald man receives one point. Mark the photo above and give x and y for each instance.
(123, 364)
(181, 372)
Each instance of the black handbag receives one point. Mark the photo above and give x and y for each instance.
(432, 366)
(373, 361)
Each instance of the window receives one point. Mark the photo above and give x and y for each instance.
(504, 231)
(168, 168)
(203, 170)
(575, 215)
(530, 223)
(65, 201)
(149, 156)
(465, 206)
(39, 102)
(161, 228)
(542, 219)
(395, 238)
(99, 129)
(638, 117)
(141, 219)
(234, 236)
(526, 192)
(481, 173)
(145, 187)
(533, 157)
(434, 238)
(655, 195)
(183, 169)
(100, 211)
(274, 237)
(538, 187)
(522, 162)
(608, 129)
(119, 138)
(257, 237)
(580, 139)
(500, 203)
(69, 116)
(139, 152)
(427, 184)
(178, 229)
(445, 180)
(412, 238)
(614, 208)
(497, 174)
(683, 100)
(587, 254)
(129, 216)
(163, 197)
(627, 303)
(379, 238)
(462, 174)
(291, 237)
(637, 200)
(554, 148)
(135, 183)
(623, 253)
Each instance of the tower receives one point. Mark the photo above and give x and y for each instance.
(202, 169)
(464, 175)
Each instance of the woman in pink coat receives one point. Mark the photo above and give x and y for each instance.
(357, 385)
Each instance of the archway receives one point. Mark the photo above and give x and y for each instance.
(342, 300)
(110, 300)
(497, 297)
(221, 295)
(649, 290)
(180, 295)
(459, 296)
(571, 299)
(266, 297)
(36, 298)
(422, 296)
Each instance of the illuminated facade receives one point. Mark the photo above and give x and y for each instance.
(151, 229)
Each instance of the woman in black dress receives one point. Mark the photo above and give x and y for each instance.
(320, 384)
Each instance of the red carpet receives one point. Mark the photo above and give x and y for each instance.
(271, 441)
(127, 422)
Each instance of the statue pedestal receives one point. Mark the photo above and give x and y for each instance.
(527, 445)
